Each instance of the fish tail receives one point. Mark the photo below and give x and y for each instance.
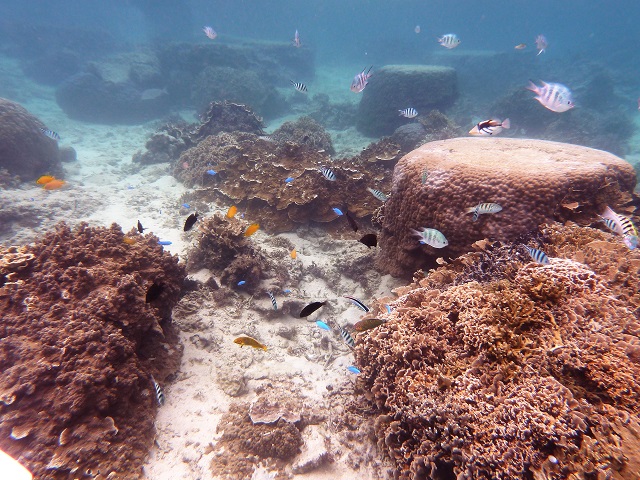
(506, 123)
(532, 86)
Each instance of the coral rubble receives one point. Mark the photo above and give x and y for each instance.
(534, 181)
(24, 150)
(79, 342)
(529, 371)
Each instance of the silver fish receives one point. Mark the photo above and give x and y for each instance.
(210, 32)
(541, 44)
(483, 208)
(450, 40)
(361, 80)
(622, 226)
(409, 112)
(301, 87)
(538, 255)
(50, 133)
(273, 300)
(348, 339)
(296, 40)
(554, 96)
(328, 174)
(431, 237)
(159, 392)
(378, 194)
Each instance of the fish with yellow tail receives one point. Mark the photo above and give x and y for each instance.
(250, 342)
(490, 127)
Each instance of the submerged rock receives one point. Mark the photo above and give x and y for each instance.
(396, 87)
(534, 181)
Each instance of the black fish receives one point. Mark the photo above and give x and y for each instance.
(190, 222)
(141, 229)
(351, 221)
(309, 309)
(370, 240)
(154, 292)
(357, 303)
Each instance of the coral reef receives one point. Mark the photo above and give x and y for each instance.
(534, 181)
(24, 150)
(251, 173)
(396, 87)
(530, 372)
(304, 131)
(78, 345)
(173, 138)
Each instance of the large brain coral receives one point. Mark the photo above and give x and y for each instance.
(534, 181)
(79, 341)
(532, 372)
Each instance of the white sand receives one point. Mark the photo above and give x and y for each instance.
(104, 186)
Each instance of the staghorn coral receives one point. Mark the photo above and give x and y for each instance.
(531, 374)
(251, 173)
(534, 181)
(78, 343)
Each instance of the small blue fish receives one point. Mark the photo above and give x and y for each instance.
(322, 325)
(211, 172)
(164, 242)
(289, 180)
(130, 187)
(286, 291)
(388, 308)
(353, 369)
(241, 282)
(337, 211)
(538, 255)
(186, 205)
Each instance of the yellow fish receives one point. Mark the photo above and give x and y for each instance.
(294, 255)
(129, 240)
(251, 342)
(54, 184)
(251, 229)
(232, 211)
(42, 179)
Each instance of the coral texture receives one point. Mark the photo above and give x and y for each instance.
(529, 371)
(78, 345)
(251, 173)
(534, 181)
(396, 87)
(24, 150)
(304, 131)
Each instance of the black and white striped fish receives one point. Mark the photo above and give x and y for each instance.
(538, 255)
(409, 112)
(450, 40)
(348, 339)
(50, 133)
(554, 96)
(483, 208)
(273, 300)
(159, 392)
(622, 226)
(357, 303)
(301, 87)
(361, 80)
(328, 174)
(378, 194)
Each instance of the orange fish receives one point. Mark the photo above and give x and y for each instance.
(129, 240)
(251, 229)
(232, 211)
(54, 184)
(251, 342)
(42, 179)
(521, 46)
(294, 254)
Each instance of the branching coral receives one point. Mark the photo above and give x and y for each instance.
(527, 373)
(76, 343)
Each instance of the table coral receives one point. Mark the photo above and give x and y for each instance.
(78, 345)
(531, 372)
(534, 181)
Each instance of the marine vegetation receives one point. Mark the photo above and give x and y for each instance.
(495, 366)
(84, 333)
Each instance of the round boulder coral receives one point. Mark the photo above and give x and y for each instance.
(534, 182)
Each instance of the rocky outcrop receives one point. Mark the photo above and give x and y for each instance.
(396, 87)
(24, 150)
(534, 181)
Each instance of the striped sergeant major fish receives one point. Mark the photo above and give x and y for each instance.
(553, 96)
(432, 237)
(538, 255)
(622, 226)
(483, 208)
(378, 194)
(328, 174)
(301, 87)
(273, 300)
(50, 133)
(159, 392)
(450, 40)
(361, 80)
(346, 336)
(409, 112)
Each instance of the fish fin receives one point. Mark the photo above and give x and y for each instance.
(506, 123)
(470, 210)
(532, 86)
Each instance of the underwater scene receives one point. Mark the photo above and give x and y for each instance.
(339, 239)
